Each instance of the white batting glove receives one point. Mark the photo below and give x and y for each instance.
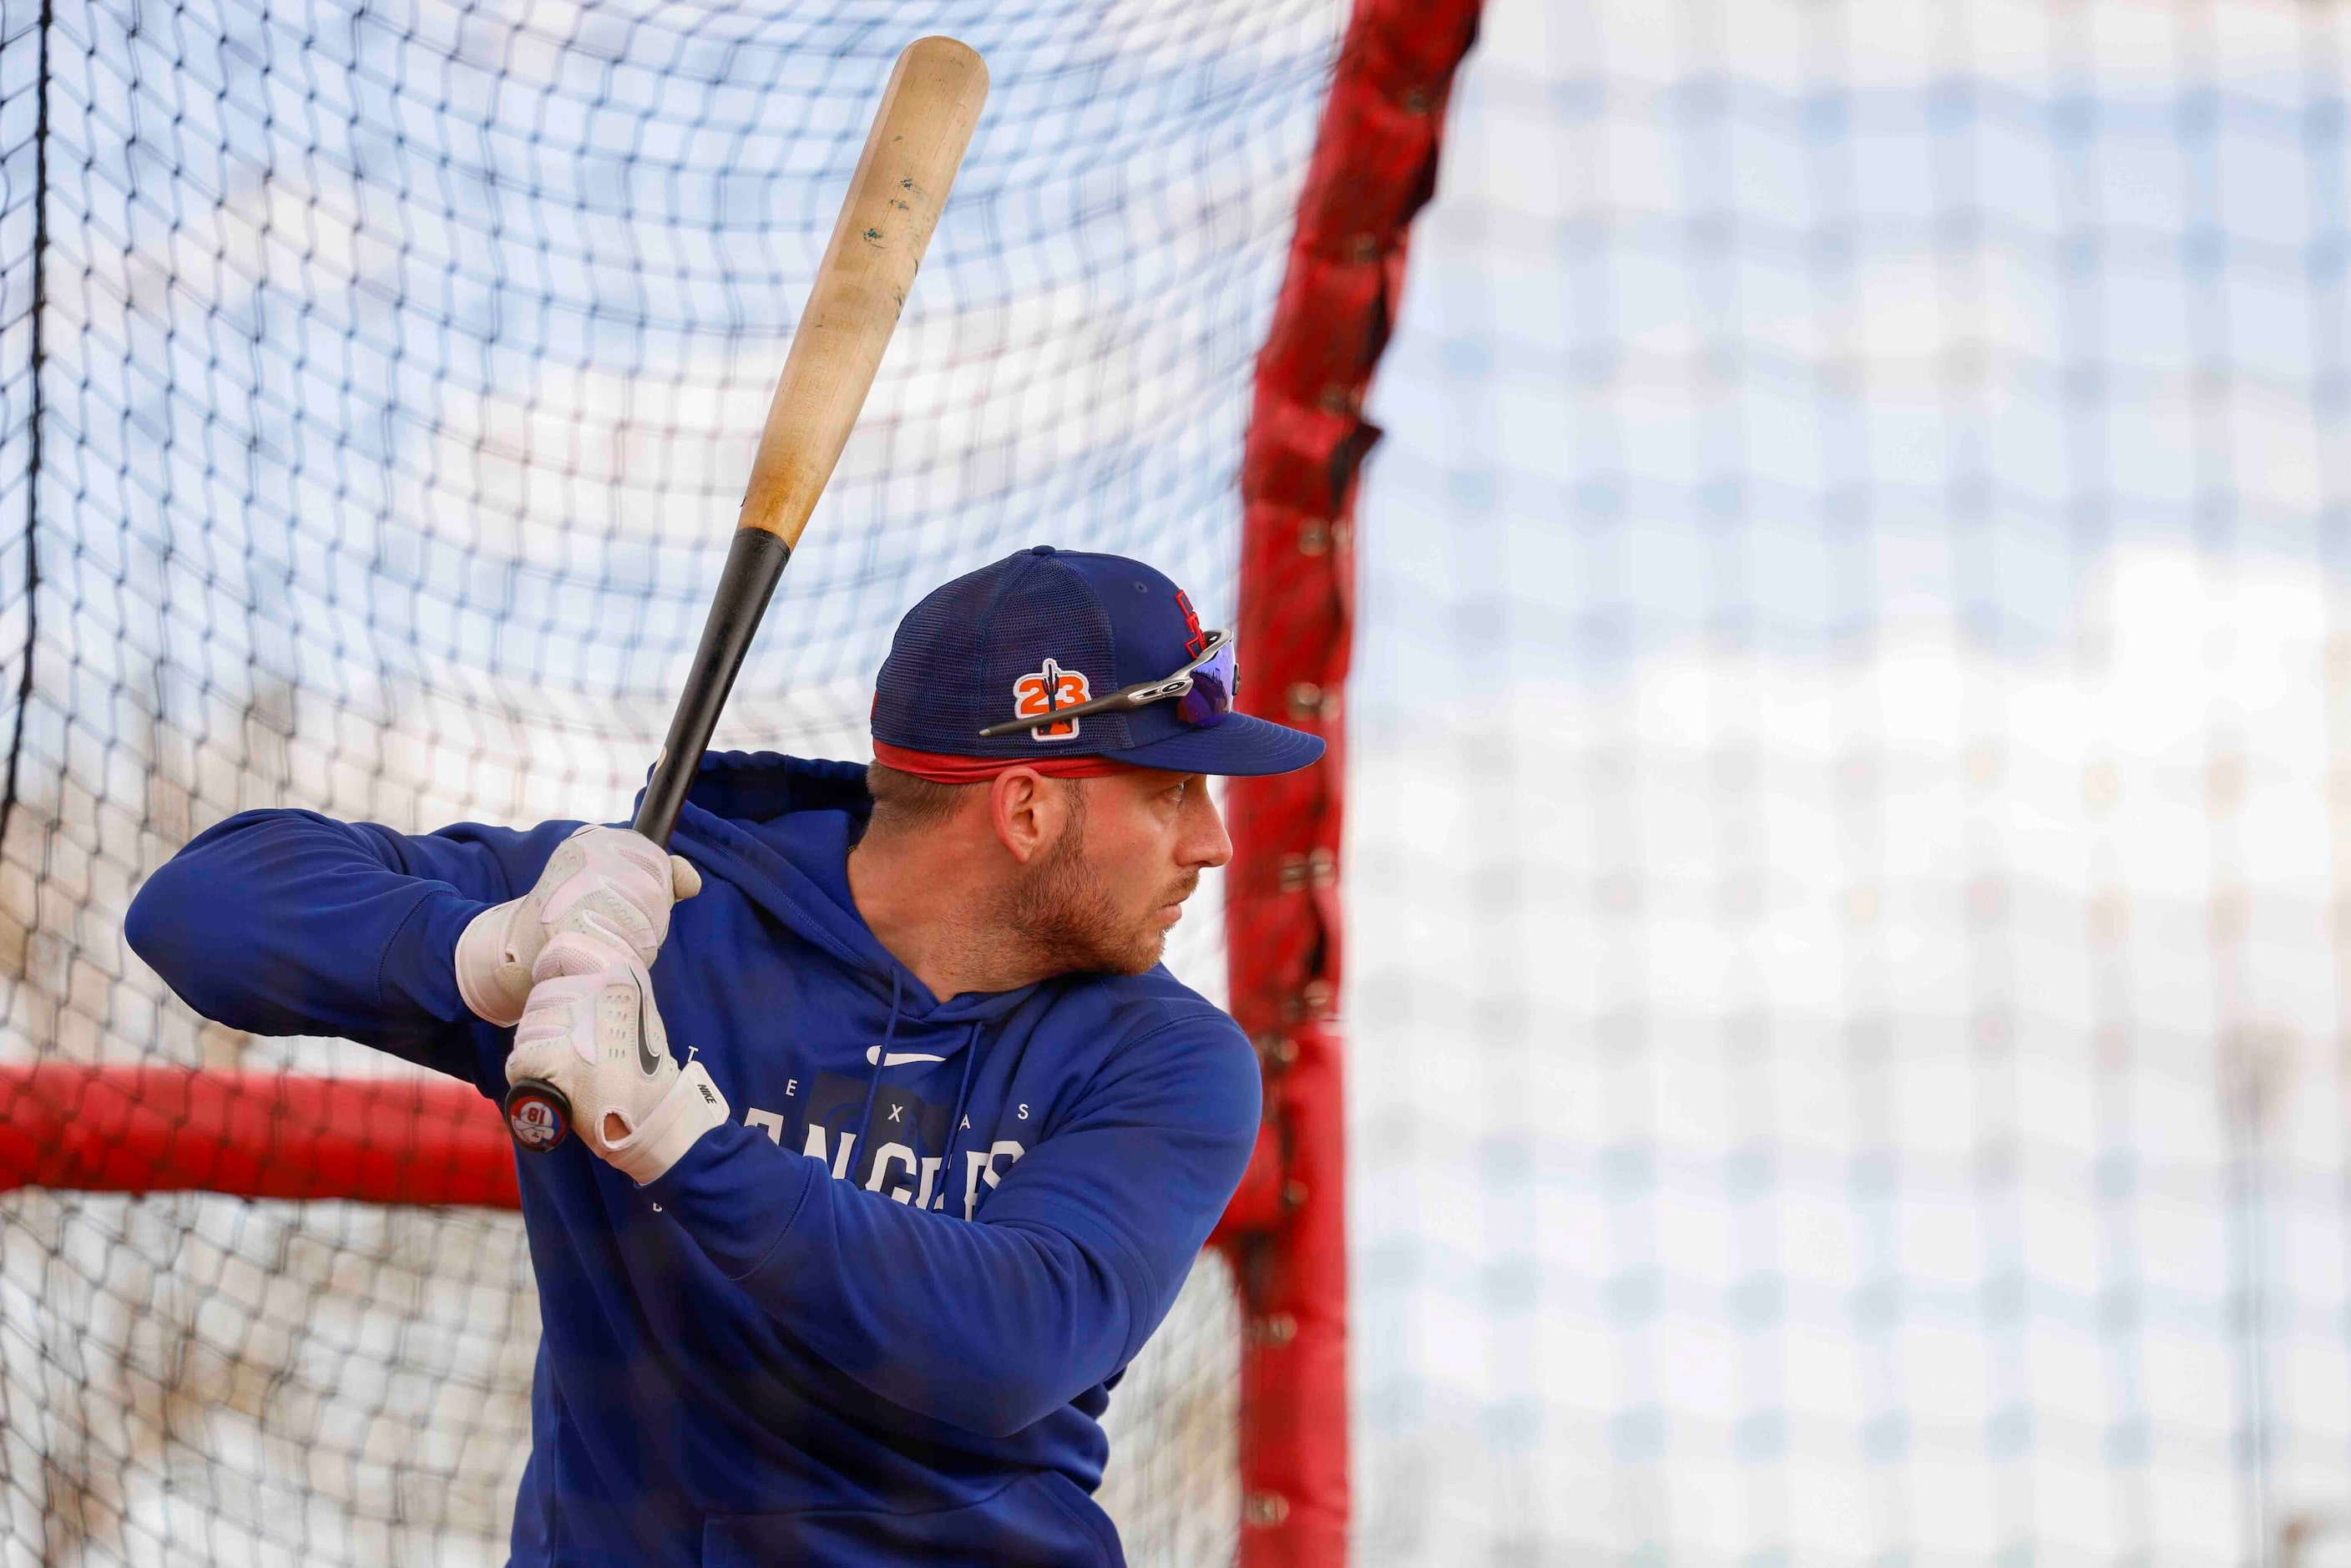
(608, 883)
(592, 1031)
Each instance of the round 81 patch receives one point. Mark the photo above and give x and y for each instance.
(538, 1115)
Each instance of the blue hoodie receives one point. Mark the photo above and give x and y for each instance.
(877, 1317)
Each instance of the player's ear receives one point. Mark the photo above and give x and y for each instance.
(1029, 814)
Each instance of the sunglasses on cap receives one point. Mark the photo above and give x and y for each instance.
(1202, 691)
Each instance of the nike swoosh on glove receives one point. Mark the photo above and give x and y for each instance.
(610, 882)
(591, 1029)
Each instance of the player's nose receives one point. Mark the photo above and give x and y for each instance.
(1204, 843)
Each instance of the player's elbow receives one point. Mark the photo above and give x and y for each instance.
(181, 926)
(995, 1391)
(1037, 1373)
(1012, 1404)
(1008, 1379)
(161, 921)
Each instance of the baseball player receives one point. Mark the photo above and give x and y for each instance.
(892, 1162)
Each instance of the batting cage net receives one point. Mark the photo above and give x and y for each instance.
(1848, 756)
(379, 384)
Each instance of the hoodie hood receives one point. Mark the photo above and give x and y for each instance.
(780, 829)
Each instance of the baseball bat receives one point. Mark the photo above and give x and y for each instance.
(912, 152)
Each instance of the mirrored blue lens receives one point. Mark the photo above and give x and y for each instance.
(1210, 700)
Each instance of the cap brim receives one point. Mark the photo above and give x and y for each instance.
(1242, 747)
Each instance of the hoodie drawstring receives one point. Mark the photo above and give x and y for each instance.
(873, 1080)
(962, 1102)
(962, 1089)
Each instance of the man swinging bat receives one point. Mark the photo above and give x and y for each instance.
(848, 1212)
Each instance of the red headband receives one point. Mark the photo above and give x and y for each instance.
(943, 768)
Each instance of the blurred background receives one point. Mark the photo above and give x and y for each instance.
(1849, 795)
(1851, 735)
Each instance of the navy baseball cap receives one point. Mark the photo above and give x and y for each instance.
(1045, 629)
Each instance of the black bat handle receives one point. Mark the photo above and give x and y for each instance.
(755, 564)
(538, 1113)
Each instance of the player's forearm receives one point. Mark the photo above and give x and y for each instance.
(989, 1327)
(287, 922)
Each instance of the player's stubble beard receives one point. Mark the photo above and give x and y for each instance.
(1065, 911)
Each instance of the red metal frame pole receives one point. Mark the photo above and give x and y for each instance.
(1375, 166)
(142, 1129)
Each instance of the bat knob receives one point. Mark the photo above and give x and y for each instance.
(538, 1115)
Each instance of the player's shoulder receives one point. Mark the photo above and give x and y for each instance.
(1158, 1044)
(1156, 1008)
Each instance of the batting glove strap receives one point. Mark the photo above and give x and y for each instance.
(691, 1107)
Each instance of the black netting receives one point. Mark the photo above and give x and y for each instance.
(377, 386)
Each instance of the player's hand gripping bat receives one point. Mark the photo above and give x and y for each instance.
(917, 141)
